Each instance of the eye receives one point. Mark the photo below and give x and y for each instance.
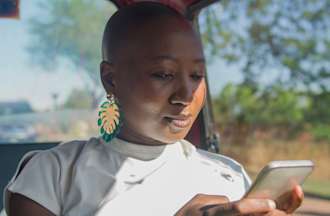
(197, 76)
(163, 75)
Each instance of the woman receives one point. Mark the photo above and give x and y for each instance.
(153, 67)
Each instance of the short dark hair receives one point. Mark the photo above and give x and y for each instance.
(126, 20)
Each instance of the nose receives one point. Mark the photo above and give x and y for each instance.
(183, 94)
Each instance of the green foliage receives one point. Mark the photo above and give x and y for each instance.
(236, 103)
(282, 107)
(321, 132)
(70, 30)
(258, 35)
(269, 107)
(319, 112)
(274, 107)
(78, 99)
(321, 188)
(291, 40)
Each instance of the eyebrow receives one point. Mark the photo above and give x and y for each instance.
(171, 58)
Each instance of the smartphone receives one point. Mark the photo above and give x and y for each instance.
(278, 178)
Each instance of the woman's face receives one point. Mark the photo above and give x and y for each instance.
(159, 82)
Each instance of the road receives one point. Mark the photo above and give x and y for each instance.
(314, 207)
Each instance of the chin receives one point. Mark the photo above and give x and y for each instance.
(172, 137)
(170, 134)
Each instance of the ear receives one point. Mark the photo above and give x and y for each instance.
(107, 76)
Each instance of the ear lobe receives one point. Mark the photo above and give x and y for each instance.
(107, 76)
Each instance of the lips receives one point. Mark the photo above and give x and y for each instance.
(179, 122)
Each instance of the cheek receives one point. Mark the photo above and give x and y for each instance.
(199, 97)
(142, 104)
(149, 100)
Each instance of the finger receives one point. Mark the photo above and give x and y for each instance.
(205, 199)
(201, 203)
(296, 199)
(208, 202)
(249, 206)
(283, 202)
(245, 206)
(291, 200)
(276, 212)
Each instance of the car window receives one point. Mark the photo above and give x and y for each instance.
(49, 57)
(269, 78)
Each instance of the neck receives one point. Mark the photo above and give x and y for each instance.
(133, 137)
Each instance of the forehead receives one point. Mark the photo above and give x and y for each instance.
(166, 36)
(175, 44)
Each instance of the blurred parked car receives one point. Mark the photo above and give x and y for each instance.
(17, 133)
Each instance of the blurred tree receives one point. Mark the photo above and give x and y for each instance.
(236, 104)
(260, 36)
(71, 30)
(282, 107)
(318, 116)
(246, 108)
(319, 111)
(78, 99)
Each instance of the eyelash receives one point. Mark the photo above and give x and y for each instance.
(169, 76)
(163, 76)
(197, 77)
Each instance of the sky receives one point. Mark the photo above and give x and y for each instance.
(22, 80)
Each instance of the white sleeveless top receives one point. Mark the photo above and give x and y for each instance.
(121, 178)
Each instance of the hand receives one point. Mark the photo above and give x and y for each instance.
(211, 205)
(290, 201)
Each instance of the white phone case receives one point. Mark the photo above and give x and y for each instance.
(279, 177)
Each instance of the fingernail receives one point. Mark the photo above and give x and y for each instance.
(271, 204)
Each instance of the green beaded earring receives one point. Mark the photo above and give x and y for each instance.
(109, 120)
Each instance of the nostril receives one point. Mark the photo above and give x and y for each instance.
(180, 102)
(183, 93)
(182, 99)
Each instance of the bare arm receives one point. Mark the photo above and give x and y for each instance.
(20, 205)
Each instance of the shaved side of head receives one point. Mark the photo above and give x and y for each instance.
(126, 23)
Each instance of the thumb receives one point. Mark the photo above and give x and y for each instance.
(296, 199)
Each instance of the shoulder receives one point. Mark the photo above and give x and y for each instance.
(75, 146)
(218, 161)
(210, 157)
(58, 158)
(43, 176)
(71, 151)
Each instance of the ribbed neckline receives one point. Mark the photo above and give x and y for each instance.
(145, 152)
